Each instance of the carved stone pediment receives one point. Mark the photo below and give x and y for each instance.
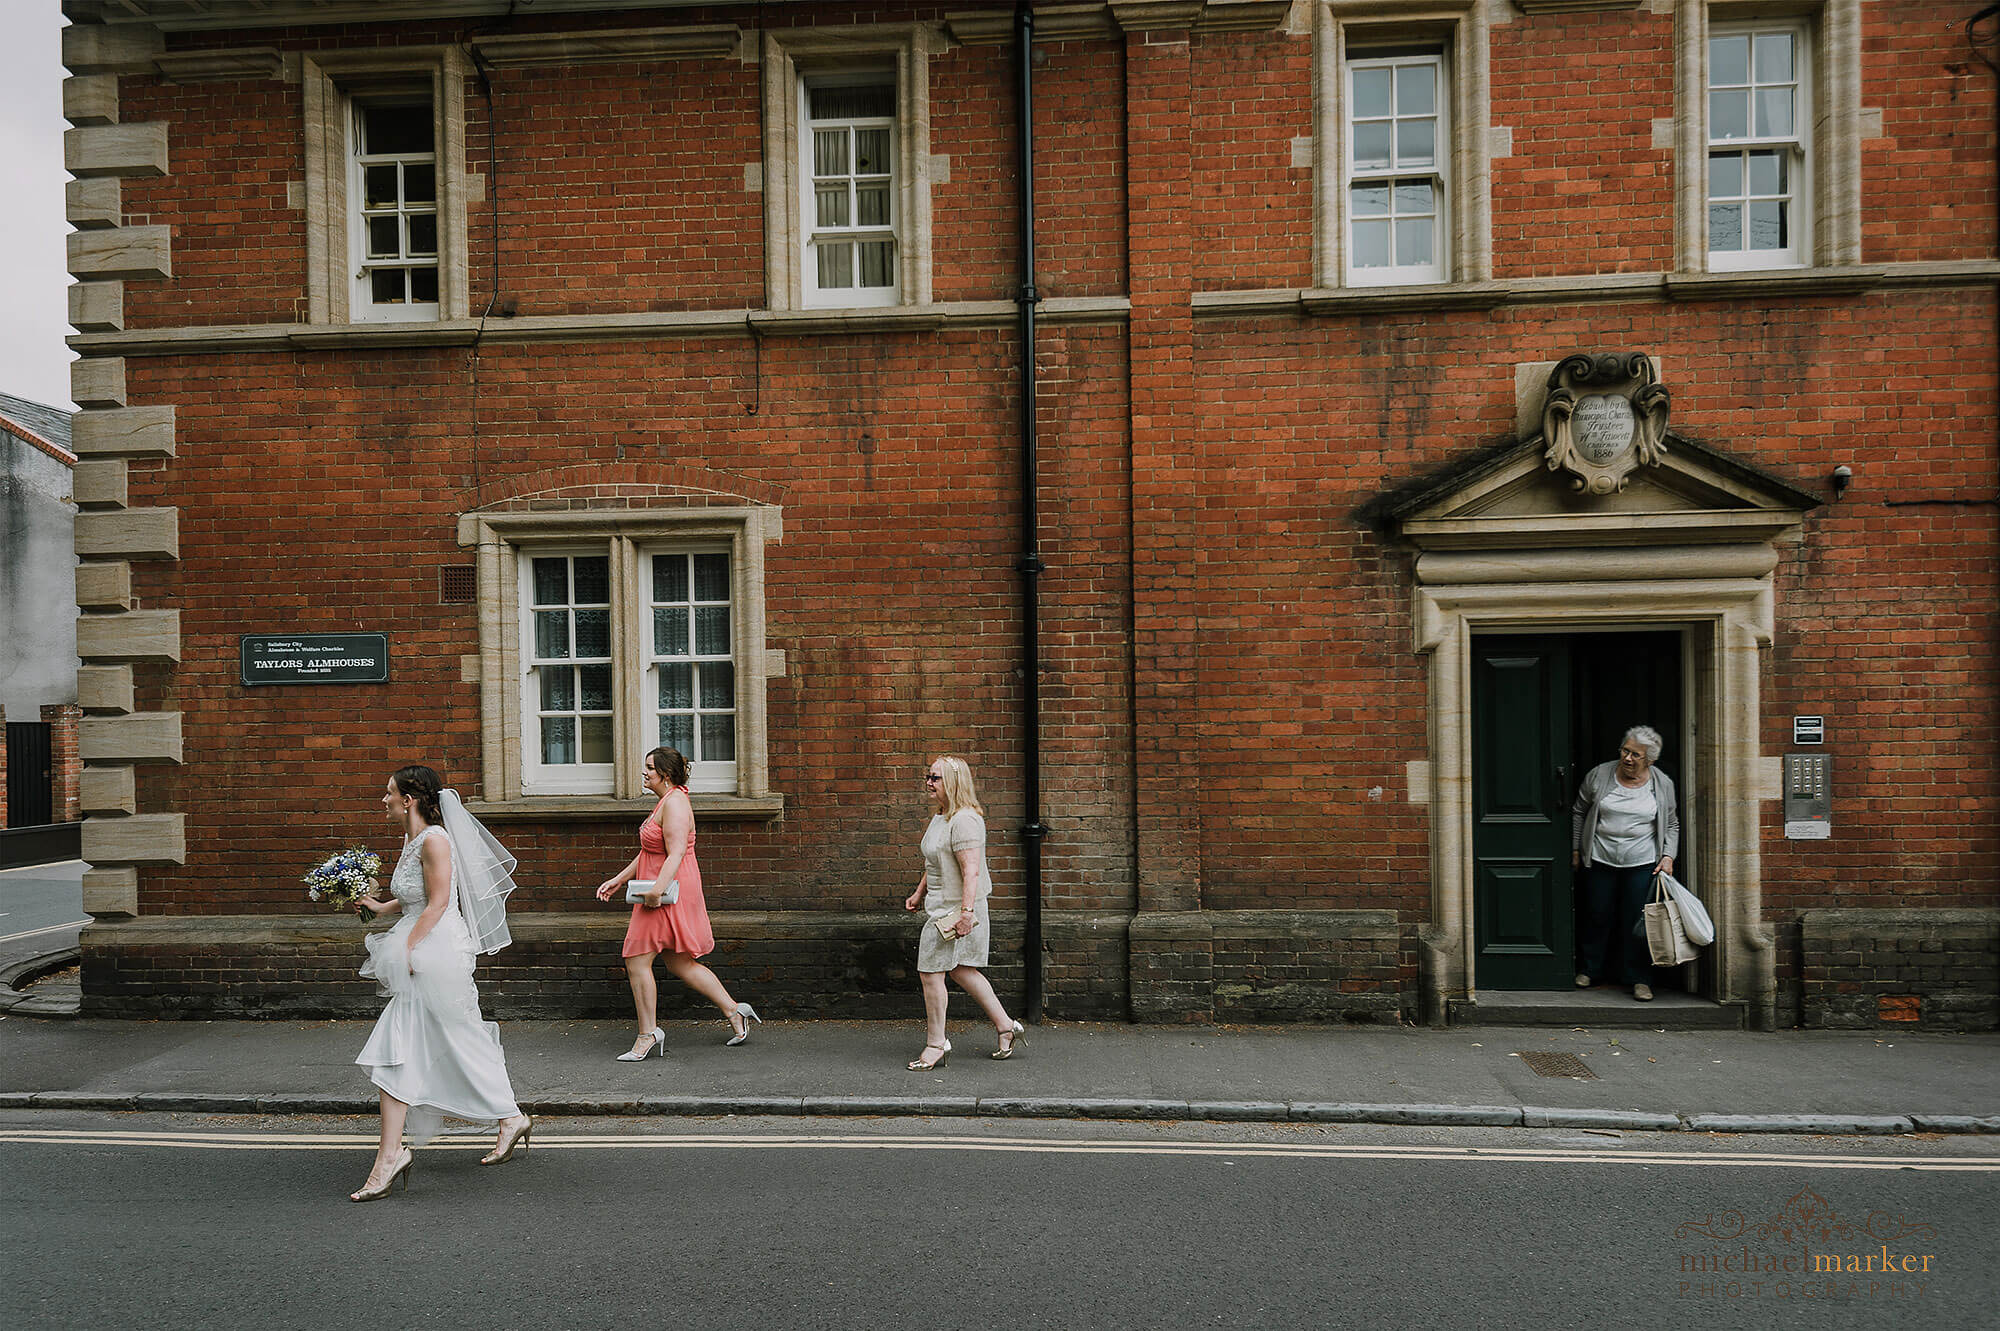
(1509, 498)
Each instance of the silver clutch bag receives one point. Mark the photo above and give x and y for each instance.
(637, 889)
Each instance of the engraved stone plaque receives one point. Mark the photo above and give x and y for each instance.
(1603, 426)
(1605, 417)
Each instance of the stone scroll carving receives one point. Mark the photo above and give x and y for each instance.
(1605, 417)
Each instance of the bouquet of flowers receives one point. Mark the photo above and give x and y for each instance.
(344, 878)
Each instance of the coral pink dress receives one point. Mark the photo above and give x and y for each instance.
(683, 926)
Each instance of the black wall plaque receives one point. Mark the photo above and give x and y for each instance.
(315, 658)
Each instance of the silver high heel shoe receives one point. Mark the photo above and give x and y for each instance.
(659, 1039)
(749, 1014)
(367, 1194)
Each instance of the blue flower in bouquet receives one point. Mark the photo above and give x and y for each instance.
(343, 878)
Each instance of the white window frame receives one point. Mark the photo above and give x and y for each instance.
(1438, 172)
(361, 299)
(334, 83)
(1796, 149)
(513, 781)
(852, 234)
(704, 773)
(792, 59)
(537, 776)
(1828, 233)
(1459, 30)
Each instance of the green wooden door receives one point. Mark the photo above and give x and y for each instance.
(1522, 717)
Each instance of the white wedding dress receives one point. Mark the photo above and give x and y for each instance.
(430, 1048)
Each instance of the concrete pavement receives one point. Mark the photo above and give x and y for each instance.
(1728, 1081)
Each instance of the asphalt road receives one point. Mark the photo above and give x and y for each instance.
(165, 1221)
(41, 909)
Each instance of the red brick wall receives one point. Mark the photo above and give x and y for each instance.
(1928, 184)
(1252, 210)
(325, 495)
(67, 765)
(1584, 190)
(1231, 691)
(1313, 700)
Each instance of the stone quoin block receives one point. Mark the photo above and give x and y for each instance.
(97, 381)
(94, 204)
(140, 737)
(91, 99)
(124, 432)
(144, 838)
(115, 150)
(110, 893)
(99, 483)
(133, 533)
(131, 635)
(104, 688)
(97, 307)
(105, 585)
(108, 790)
(110, 48)
(122, 252)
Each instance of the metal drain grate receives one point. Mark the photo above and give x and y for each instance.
(1545, 1064)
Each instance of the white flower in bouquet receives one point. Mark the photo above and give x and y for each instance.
(344, 877)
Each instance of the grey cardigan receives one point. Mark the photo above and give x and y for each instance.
(1583, 814)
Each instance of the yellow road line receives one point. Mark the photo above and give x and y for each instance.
(236, 1141)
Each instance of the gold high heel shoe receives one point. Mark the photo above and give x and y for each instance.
(368, 1194)
(503, 1151)
(1013, 1037)
(944, 1051)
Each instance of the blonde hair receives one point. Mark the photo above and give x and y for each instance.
(957, 786)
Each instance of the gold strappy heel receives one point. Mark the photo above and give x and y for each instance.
(376, 1194)
(504, 1152)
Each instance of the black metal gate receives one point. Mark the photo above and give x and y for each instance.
(30, 773)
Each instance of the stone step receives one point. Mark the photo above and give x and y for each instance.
(1606, 1008)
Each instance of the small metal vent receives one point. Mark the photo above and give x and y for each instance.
(1545, 1064)
(455, 584)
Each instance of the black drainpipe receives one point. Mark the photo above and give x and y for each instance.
(1030, 564)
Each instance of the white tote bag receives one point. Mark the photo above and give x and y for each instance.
(1694, 918)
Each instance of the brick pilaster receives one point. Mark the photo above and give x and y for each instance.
(1164, 485)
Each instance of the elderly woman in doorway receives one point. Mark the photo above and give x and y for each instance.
(1624, 827)
(678, 930)
(952, 895)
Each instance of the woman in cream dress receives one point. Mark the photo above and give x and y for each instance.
(952, 894)
(431, 1054)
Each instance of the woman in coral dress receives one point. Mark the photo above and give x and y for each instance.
(678, 930)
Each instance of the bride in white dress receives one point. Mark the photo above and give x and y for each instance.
(431, 1054)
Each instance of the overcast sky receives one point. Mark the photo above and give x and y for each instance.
(34, 314)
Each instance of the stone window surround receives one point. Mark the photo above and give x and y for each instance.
(1833, 62)
(329, 81)
(499, 537)
(1461, 28)
(791, 56)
